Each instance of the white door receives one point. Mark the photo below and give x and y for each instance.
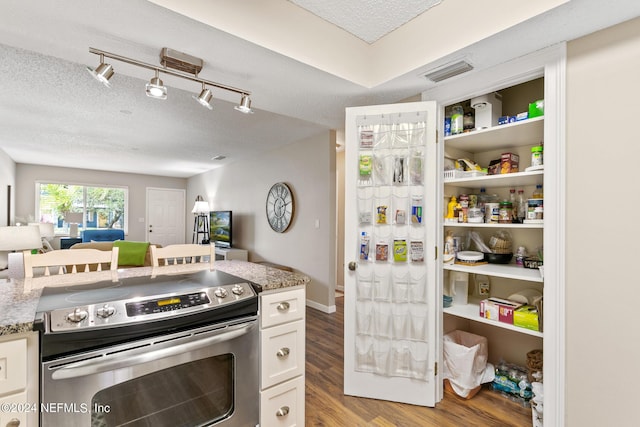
(392, 312)
(165, 216)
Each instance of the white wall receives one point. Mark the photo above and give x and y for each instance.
(27, 175)
(7, 177)
(602, 288)
(308, 167)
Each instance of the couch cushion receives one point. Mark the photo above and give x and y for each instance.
(102, 235)
(131, 253)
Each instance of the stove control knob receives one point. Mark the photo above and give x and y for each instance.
(221, 293)
(105, 311)
(77, 315)
(237, 289)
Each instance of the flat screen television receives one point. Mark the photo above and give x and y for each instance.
(221, 224)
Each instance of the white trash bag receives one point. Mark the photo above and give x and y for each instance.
(465, 361)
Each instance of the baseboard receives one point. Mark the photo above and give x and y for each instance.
(321, 307)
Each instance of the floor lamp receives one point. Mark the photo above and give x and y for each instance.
(201, 221)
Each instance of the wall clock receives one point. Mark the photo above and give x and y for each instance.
(280, 207)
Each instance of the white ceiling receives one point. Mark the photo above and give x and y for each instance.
(53, 112)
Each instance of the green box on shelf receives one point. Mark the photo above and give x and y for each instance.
(536, 109)
(526, 317)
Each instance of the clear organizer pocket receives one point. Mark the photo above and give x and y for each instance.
(382, 167)
(416, 245)
(418, 135)
(401, 321)
(400, 284)
(365, 205)
(418, 318)
(382, 243)
(364, 354)
(417, 284)
(381, 283)
(364, 318)
(382, 136)
(416, 166)
(401, 134)
(400, 168)
(409, 359)
(401, 212)
(382, 205)
(364, 283)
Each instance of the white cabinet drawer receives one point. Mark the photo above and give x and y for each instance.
(13, 366)
(281, 307)
(282, 353)
(19, 403)
(283, 405)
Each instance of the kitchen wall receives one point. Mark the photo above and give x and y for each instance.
(308, 246)
(7, 177)
(602, 234)
(27, 175)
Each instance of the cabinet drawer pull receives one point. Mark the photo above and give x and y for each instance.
(283, 306)
(282, 412)
(282, 353)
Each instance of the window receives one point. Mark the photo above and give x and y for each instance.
(89, 206)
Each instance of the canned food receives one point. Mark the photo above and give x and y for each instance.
(505, 213)
(491, 213)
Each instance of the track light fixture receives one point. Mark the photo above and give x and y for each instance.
(245, 105)
(176, 64)
(156, 88)
(102, 73)
(204, 98)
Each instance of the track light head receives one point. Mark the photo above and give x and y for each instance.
(245, 105)
(156, 88)
(102, 73)
(204, 98)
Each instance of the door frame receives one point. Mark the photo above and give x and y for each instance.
(549, 63)
(182, 210)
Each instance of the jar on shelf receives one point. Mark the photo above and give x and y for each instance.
(505, 212)
(536, 155)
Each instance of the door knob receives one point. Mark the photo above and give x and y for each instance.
(353, 265)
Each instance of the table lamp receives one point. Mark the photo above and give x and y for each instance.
(47, 232)
(15, 239)
(73, 219)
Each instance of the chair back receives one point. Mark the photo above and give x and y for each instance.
(182, 254)
(77, 261)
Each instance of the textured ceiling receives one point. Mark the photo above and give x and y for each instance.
(369, 20)
(52, 112)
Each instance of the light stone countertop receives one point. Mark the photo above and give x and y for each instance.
(19, 297)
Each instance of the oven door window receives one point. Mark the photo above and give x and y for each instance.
(197, 393)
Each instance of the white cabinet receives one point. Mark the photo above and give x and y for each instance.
(19, 380)
(282, 357)
(228, 254)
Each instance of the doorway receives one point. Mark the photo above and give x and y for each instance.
(165, 216)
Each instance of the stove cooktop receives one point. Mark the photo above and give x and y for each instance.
(85, 316)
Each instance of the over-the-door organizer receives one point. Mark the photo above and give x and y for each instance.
(391, 285)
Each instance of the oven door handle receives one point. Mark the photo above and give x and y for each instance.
(124, 359)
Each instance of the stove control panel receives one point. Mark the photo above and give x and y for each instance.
(114, 313)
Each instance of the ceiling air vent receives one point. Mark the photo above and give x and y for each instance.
(448, 71)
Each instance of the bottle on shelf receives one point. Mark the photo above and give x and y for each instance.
(538, 193)
(522, 207)
(514, 205)
(457, 119)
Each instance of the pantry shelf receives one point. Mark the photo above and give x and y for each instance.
(514, 134)
(471, 311)
(509, 271)
(485, 225)
(517, 179)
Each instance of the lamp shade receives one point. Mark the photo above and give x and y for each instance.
(200, 207)
(16, 238)
(73, 217)
(47, 230)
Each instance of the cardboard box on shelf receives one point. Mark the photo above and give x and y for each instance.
(526, 317)
(509, 163)
(498, 309)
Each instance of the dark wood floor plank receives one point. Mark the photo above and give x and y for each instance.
(326, 404)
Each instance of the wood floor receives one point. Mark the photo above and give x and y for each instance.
(326, 405)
